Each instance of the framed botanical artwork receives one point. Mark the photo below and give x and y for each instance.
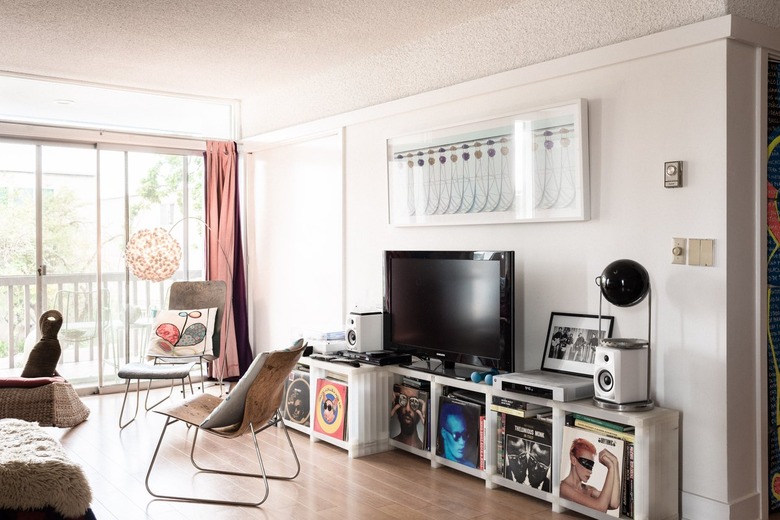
(572, 340)
(527, 167)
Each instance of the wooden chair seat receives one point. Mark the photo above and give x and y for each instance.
(260, 411)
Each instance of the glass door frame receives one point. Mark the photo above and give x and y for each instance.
(43, 274)
(170, 146)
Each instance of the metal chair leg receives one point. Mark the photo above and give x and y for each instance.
(277, 419)
(146, 399)
(124, 401)
(262, 475)
(170, 393)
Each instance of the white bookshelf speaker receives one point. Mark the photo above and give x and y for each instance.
(620, 374)
(363, 331)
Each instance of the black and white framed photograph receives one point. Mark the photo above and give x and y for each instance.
(572, 340)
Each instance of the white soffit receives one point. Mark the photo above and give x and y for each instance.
(45, 102)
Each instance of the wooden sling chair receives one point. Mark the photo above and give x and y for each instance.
(252, 406)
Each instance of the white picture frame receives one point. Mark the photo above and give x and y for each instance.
(527, 167)
(571, 342)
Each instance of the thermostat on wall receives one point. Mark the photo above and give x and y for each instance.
(673, 174)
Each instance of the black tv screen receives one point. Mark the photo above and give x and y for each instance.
(451, 308)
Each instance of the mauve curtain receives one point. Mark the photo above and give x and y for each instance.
(222, 217)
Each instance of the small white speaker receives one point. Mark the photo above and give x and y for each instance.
(620, 374)
(363, 331)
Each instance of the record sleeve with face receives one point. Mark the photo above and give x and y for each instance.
(297, 398)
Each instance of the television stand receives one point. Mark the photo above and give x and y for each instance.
(441, 368)
(656, 444)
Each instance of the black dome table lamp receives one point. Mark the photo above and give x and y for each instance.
(621, 376)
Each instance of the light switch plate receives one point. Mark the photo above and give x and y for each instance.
(678, 250)
(705, 252)
(694, 251)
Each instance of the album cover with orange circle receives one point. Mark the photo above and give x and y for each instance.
(330, 412)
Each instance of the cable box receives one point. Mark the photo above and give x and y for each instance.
(377, 357)
(545, 384)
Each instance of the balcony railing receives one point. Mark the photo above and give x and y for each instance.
(123, 305)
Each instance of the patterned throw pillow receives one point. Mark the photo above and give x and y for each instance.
(179, 333)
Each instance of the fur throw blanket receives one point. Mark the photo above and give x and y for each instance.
(35, 472)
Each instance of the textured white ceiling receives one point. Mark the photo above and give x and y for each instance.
(296, 61)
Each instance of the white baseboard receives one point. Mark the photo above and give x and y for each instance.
(695, 507)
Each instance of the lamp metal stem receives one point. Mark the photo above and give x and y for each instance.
(228, 283)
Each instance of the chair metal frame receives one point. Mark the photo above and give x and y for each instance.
(260, 413)
(182, 295)
(166, 371)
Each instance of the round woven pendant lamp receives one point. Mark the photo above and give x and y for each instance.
(153, 254)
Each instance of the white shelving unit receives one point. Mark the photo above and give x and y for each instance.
(438, 383)
(656, 448)
(656, 458)
(367, 406)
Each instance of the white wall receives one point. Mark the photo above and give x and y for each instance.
(642, 113)
(684, 103)
(295, 262)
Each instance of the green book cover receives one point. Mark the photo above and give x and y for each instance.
(602, 422)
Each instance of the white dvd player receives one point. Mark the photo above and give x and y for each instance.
(546, 384)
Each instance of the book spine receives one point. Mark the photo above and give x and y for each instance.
(467, 397)
(416, 383)
(482, 442)
(544, 416)
(345, 427)
(333, 376)
(624, 485)
(516, 404)
(603, 423)
(627, 505)
(631, 481)
(585, 425)
(500, 432)
(516, 412)
(428, 425)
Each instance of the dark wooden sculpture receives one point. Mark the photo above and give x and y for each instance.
(43, 359)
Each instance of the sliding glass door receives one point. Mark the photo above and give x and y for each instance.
(69, 259)
(67, 212)
(48, 257)
(143, 190)
(18, 251)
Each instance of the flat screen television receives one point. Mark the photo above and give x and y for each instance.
(454, 310)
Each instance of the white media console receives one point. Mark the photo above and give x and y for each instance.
(656, 448)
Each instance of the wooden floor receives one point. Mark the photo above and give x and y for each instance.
(391, 485)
